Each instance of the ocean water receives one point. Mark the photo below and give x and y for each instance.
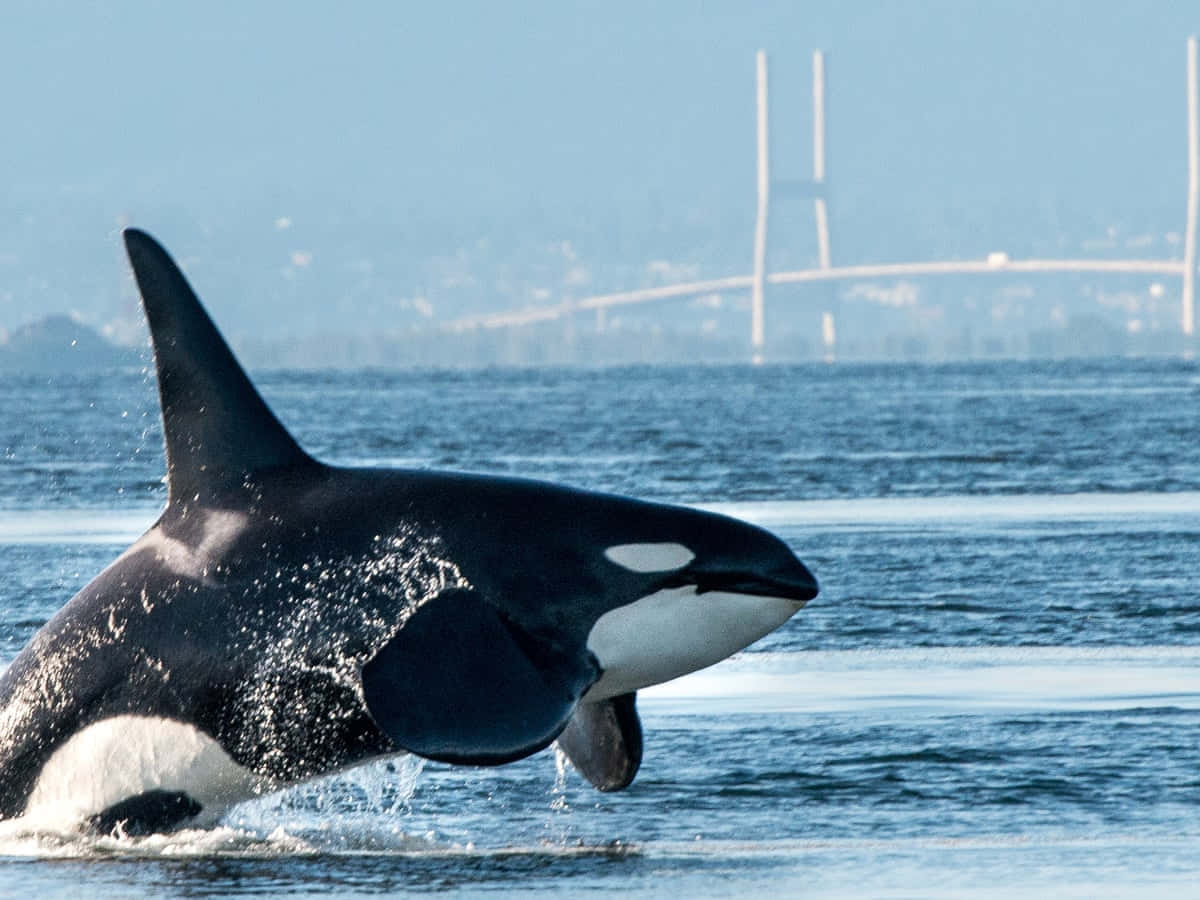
(997, 692)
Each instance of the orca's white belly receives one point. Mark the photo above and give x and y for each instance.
(125, 756)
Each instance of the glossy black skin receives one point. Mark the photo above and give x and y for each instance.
(285, 607)
(535, 551)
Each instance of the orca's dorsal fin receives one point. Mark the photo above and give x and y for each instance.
(217, 428)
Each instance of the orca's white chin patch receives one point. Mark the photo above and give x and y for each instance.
(124, 756)
(677, 631)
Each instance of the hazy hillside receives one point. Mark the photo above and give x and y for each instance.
(60, 344)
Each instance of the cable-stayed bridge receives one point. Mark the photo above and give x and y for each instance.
(759, 278)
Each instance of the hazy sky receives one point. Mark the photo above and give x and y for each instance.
(463, 119)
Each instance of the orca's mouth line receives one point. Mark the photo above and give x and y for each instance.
(797, 588)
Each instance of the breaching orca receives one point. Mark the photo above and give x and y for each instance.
(285, 618)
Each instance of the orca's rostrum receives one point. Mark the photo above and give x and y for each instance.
(284, 618)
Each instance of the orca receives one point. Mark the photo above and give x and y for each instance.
(284, 618)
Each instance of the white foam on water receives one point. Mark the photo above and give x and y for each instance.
(21, 838)
(947, 680)
(358, 811)
(369, 799)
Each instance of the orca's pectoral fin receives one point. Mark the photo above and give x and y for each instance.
(603, 741)
(461, 683)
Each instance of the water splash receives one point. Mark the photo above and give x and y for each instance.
(558, 828)
(559, 791)
(361, 810)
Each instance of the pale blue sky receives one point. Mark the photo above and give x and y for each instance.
(456, 120)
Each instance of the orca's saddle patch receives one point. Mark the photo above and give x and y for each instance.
(149, 813)
(603, 741)
(462, 683)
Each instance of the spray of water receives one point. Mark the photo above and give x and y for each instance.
(361, 810)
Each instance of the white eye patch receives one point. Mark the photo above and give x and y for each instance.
(665, 557)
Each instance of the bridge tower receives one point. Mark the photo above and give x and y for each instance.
(819, 194)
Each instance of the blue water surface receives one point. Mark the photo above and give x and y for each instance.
(997, 691)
